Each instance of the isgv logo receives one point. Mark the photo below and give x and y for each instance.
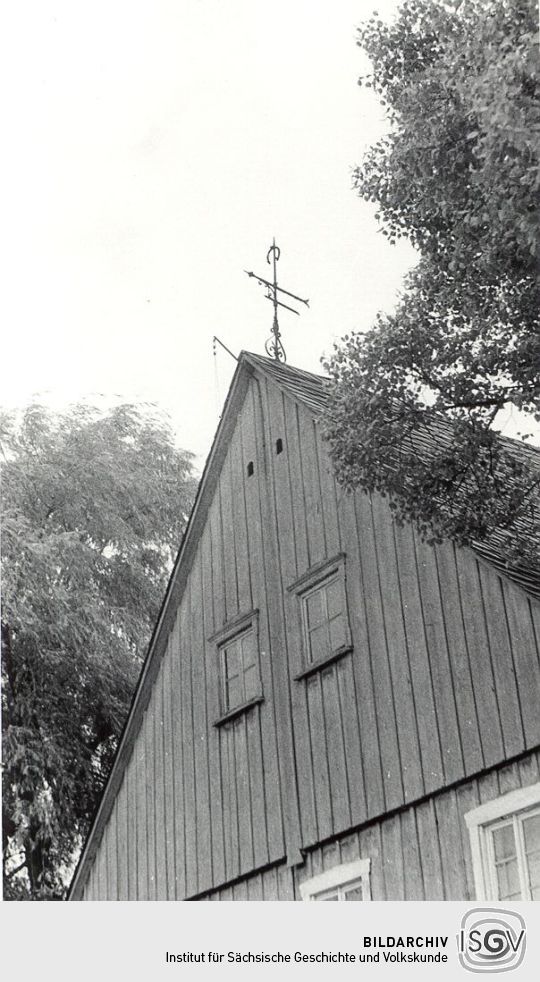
(491, 940)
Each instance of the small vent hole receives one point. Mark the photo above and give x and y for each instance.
(250, 469)
(279, 445)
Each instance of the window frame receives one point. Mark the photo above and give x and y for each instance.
(306, 586)
(483, 820)
(339, 877)
(233, 631)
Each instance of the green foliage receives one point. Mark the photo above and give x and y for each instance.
(458, 175)
(94, 507)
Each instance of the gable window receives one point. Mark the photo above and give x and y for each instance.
(349, 881)
(238, 666)
(505, 845)
(322, 608)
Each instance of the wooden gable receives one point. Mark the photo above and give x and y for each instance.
(441, 682)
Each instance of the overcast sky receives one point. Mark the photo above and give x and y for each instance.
(158, 146)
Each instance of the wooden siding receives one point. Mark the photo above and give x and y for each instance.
(442, 683)
(420, 853)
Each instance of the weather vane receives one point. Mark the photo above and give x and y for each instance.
(273, 346)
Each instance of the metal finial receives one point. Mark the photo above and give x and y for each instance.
(274, 348)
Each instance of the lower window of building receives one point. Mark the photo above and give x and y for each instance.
(349, 881)
(505, 844)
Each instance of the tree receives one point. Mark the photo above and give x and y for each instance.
(94, 506)
(457, 174)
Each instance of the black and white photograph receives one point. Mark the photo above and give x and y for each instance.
(270, 468)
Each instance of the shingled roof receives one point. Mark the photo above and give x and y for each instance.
(312, 391)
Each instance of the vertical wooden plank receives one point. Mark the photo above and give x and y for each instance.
(214, 777)
(102, 870)
(241, 543)
(528, 770)
(372, 789)
(349, 848)
(330, 855)
(467, 799)
(240, 891)
(501, 659)
(299, 517)
(230, 822)
(460, 658)
(526, 658)
(168, 767)
(190, 812)
(245, 817)
(148, 726)
(89, 887)
(371, 846)
(319, 750)
(481, 668)
(424, 702)
(112, 869)
(132, 858)
(218, 569)
(400, 680)
(335, 749)
(348, 701)
(441, 675)
(412, 863)
(428, 837)
(328, 495)
(159, 790)
(392, 855)
(224, 494)
(311, 489)
(453, 863)
(508, 779)
(269, 885)
(382, 687)
(142, 842)
(488, 787)
(257, 789)
(200, 728)
(285, 883)
(120, 811)
(178, 756)
(254, 886)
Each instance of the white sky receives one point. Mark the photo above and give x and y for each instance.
(156, 147)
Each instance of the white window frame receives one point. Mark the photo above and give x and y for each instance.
(482, 820)
(346, 874)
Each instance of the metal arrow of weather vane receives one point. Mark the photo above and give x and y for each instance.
(274, 348)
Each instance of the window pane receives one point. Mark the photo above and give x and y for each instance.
(508, 880)
(233, 692)
(506, 864)
(334, 597)
(251, 682)
(326, 895)
(314, 609)
(531, 838)
(248, 649)
(504, 843)
(230, 660)
(354, 892)
(337, 632)
(531, 833)
(318, 643)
